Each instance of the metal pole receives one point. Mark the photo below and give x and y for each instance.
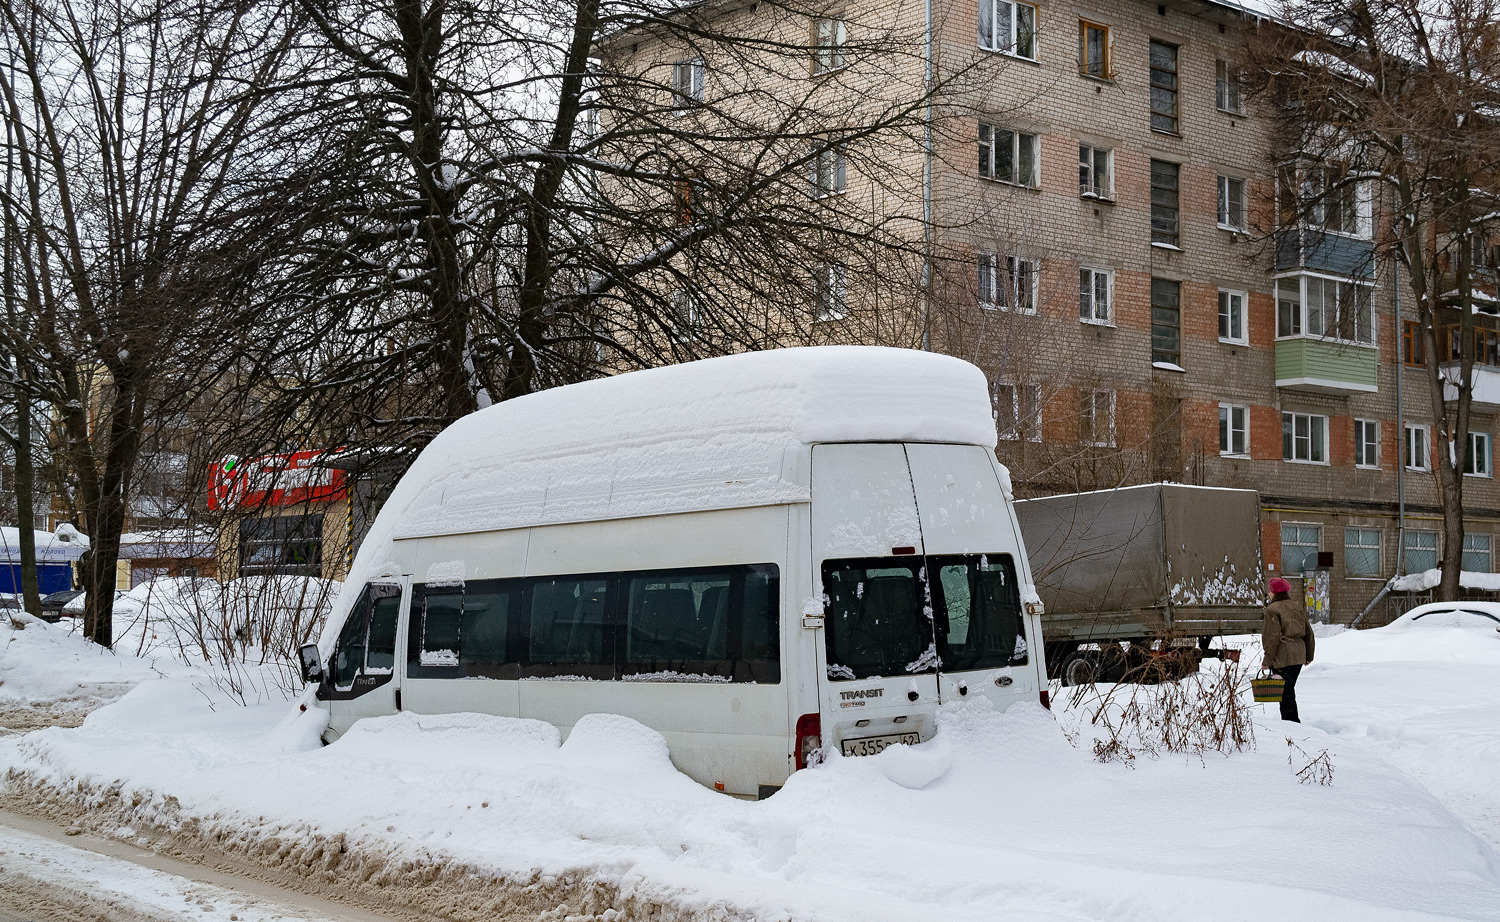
(1401, 434)
(927, 188)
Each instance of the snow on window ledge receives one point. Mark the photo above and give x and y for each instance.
(1169, 366)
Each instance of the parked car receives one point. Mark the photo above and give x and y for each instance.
(53, 605)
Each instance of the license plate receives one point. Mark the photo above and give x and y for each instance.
(873, 744)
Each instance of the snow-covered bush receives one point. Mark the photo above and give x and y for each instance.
(245, 631)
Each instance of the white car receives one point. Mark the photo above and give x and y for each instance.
(1452, 614)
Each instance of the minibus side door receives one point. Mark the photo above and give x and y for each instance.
(876, 658)
(363, 679)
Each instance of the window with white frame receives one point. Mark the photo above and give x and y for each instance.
(1299, 547)
(1233, 204)
(1416, 453)
(1232, 316)
(827, 172)
(1324, 197)
(1096, 418)
(828, 44)
(1095, 295)
(1096, 175)
(1234, 429)
(1008, 27)
(1018, 411)
(687, 314)
(1008, 282)
(1229, 94)
(1421, 551)
(1314, 305)
(687, 83)
(1478, 555)
(1477, 455)
(830, 292)
(1361, 551)
(1367, 443)
(1304, 437)
(1008, 156)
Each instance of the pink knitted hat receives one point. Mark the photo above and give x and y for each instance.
(1279, 585)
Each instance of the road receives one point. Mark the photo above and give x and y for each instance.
(48, 876)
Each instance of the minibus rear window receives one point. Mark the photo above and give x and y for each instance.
(877, 621)
(978, 608)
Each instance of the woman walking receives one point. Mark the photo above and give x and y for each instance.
(1287, 638)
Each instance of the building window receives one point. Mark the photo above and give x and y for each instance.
(1413, 344)
(827, 173)
(1166, 321)
(1311, 305)
(1324, 197)
(1478, 556)
(1008, 27)
(1417, 448)
(1164, 184)
(1232, 203)
(1361, 552)
(1018, 411)
(1096, 418)
(1009, 156)
(1228, 93)
(1093, 50)
(1477, 455)
(1304, 437)
(1163, 87)
(687, 83)
(1096, 175)
(1486, 344)
(1232, 316)
(828, 45)
(1299, 547)
(1234, 429)
(1008, 283)
(1421, 551)
(285, 545)
(687, 314)
(830, 292)
(1095, 295)
(1367, 443)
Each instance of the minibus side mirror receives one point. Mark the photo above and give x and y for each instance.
(312, 662)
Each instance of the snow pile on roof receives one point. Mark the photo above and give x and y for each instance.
(64, 546)
(1429, 579)
(168, 542)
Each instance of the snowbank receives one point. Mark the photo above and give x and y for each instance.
(194, 620)
(43, 663)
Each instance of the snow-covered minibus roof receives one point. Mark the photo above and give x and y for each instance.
(701, 435)
(714, 434)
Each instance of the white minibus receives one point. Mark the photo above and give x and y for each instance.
(764, 557)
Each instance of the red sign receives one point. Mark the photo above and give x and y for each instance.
(276, 480)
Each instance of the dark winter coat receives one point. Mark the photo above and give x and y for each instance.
(1286, 634)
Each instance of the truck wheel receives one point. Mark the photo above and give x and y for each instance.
(1079, 668)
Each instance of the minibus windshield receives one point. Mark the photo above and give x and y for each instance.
(895, 616)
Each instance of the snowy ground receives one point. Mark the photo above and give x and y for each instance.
(999, 817)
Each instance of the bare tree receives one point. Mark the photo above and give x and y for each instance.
(1401, 98)
(143, 213)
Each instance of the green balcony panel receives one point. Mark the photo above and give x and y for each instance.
(1325, 367)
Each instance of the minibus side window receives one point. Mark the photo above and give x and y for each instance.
(462, 632)
(380, 654)
(482, 634)
(876, 622)
(569, 629)
(442, 615)
(759, 658)
(677, 624)
(979, 622)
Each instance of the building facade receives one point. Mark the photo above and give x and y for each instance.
(1115, 241)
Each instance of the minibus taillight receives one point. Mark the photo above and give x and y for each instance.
(1046, 699)
(809, 738)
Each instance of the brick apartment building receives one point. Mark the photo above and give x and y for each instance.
(1105, 240)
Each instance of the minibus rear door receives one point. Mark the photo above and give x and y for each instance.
(877, 657)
